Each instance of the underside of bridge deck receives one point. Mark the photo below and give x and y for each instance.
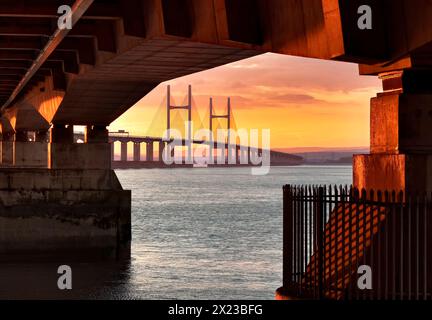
(117, 51)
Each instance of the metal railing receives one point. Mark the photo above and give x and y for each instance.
(330, 232)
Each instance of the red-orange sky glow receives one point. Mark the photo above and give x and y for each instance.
(305, 102)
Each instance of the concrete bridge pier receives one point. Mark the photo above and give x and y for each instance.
(75, 208)
(401, 137)
(137, 152)
(238, 154)
(161, 151)
(149, 151)
(123, 151)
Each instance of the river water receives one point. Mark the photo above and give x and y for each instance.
(197, 234)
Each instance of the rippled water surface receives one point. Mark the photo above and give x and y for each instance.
(197, 234)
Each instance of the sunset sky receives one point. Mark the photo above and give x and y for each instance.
(305, 102)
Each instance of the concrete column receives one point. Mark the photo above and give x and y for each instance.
(123, 151)
(238, 154)
(401, 138)
(20, 150)
(137, 152)
(112, 151)
(149, 151)
(7, 153)
(161, 150)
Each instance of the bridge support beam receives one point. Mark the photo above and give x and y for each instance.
(401, 139)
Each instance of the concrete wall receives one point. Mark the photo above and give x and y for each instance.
(7, 153)
(55, 213)
(79, 155)
(31, 154)
(397, 172)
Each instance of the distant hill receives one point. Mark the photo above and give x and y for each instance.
(318, 155)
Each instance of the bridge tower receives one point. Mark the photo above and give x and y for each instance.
(187, 107)
(226, 116)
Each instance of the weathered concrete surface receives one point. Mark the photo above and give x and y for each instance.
(401, 123)
(72, 213)
(31, 154)
(401, 137)
(7, 153)
(79, 155)
(406, 172)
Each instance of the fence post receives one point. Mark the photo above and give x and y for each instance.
(288, 226)
(319, 236)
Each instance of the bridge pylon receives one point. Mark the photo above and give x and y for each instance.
(188, 108)
(226, 116)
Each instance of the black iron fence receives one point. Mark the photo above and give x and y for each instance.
(344, 243)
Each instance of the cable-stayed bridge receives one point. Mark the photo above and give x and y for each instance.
(178, 140)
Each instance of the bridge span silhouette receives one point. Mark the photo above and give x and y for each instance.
(216, 153)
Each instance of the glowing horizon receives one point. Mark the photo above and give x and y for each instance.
(305, 102)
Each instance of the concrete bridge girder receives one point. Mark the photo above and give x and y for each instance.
(218, 30)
